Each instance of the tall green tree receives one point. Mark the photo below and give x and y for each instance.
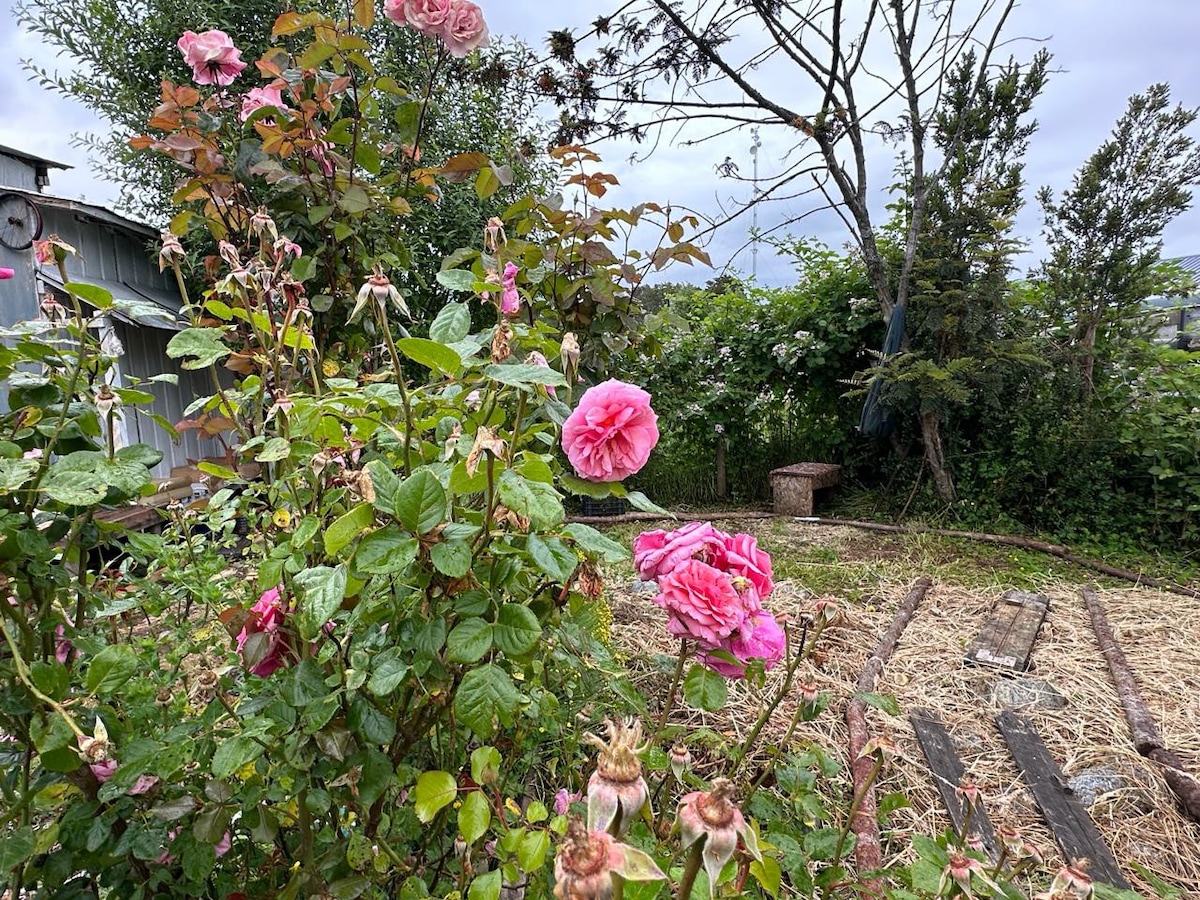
(1105, 232)
(962, 341)
(841, 80)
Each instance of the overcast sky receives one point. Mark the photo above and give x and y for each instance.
(1104, 51)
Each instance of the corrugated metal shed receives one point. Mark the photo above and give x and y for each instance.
(116, 253)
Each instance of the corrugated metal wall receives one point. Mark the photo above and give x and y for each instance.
(18, 173)
(146, 356)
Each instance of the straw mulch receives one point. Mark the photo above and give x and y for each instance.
(1159, 632)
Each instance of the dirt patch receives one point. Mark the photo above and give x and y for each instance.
(867, 577)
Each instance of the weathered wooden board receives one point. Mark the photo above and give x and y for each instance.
(1073, 829)
(1008, 635)
(947, 769)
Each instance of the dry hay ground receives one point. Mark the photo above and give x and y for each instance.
(868, 575)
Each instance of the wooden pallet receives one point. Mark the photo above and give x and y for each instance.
(948, 772)
(1006, 641)
(1074, 831)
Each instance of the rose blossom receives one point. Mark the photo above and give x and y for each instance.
(655, 553)
(268, 651)
(212, 56)
(739, 556)
(465, 29)
(6, 273)
(610, 434)
(426, 16)
(701, 601)
(510, 300)
(257, 98)
(759, 637)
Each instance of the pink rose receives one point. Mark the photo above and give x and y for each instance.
(212, 56)
(6, 273)
(701, 601)
(759, 637)
(510, 300)
(610, 434)
(426, 16)
(655, 553)
(256, 98)
(465, 29)
(740, 557)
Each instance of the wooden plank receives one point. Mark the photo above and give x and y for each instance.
(948, 772)
(1073, 829)
(1006, 641)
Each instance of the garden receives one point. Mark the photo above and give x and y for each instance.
(390, 653)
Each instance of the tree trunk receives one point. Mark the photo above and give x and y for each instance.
(1087, 365)
(935, 455)
(722, 484)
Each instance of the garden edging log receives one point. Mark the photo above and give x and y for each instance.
(1146, 736)
(868, 855)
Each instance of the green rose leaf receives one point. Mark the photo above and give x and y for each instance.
(233, 753)
(83, 478)
(531, 852)
(430, 354)
(99, 297)
(15, 472)
(452, 558)
(597, 490)
(456, 279)
(274, 450)
(111, 668)
(486, 696)
(16, 847)
(386, 551)
(434, 791)
(552, 556)
(203, 345)
(593, 543)
(347, 527)
(421, 502)
(474, 817)
(386, 484)
(640, 501)
(453, 323)
(705, 689)
(140, 454)
(321, 591)
(469, 641)
(525, 375)
(485, 765)
(535, 500)
(517, 630)
(389, 672)
(485, 887)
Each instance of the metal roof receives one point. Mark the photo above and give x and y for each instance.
(30, 157)
(1189, 264)
(91, 210)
